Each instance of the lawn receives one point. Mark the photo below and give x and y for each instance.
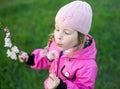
(30, 23)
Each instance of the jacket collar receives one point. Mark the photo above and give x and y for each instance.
(85, 53)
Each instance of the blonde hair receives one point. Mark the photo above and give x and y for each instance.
(51, 38)
(81, 39)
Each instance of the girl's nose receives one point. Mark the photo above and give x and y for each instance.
(60, 36)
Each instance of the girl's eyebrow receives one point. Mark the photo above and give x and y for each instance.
(66, 29)
(56, 26)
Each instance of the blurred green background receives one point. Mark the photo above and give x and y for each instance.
(30, 23)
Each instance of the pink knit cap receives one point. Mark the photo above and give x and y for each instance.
(77, 15)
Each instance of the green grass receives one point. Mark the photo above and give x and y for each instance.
(30, 22)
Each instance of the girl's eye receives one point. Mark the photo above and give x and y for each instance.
(56, 29)
(67, 33)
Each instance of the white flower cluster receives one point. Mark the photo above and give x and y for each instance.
(12, 49)
(51, 55)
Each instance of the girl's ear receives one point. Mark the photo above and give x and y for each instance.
(81, 39)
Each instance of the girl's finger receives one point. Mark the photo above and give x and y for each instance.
(50, 84)
(51, 78)
(53, 75)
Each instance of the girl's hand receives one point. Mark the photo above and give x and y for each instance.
(23, 57)
(53, 81)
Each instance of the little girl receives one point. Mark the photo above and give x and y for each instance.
(70, 53)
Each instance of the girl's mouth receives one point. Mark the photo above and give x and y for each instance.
(59, 45)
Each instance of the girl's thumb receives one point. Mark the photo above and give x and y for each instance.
(53, 75)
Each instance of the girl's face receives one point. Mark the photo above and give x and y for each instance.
(65, 37)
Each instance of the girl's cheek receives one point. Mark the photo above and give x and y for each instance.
(55, 34)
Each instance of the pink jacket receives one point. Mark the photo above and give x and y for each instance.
(78, 71)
